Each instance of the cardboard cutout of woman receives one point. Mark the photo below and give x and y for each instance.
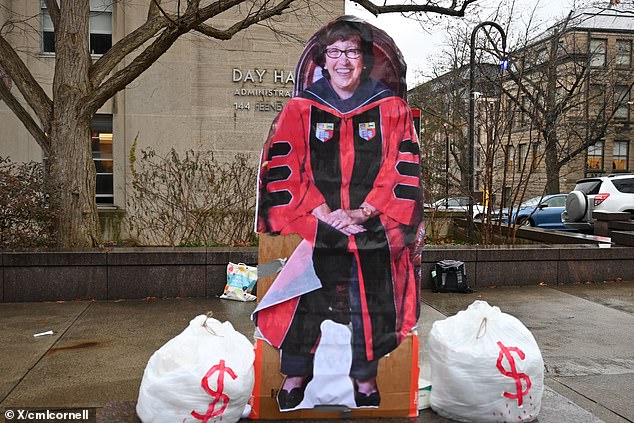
(341, 169)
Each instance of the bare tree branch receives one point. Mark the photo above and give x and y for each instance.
(282, 34)
(453, 10)
(32, 92)
(259, 16)
(123, 77)
(53, 11)
(192, 20)
(192, 6)
(174, 20)
(580, 78)
(106, 63)
(154, 10)
(598, 130)
(40, 137)
(158, 20)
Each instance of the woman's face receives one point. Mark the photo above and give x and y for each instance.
(345, 72)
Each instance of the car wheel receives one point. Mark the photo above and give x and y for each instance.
(477, 217)
(576, 206)
(524, 221)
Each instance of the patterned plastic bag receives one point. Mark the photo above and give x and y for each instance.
(241, 280)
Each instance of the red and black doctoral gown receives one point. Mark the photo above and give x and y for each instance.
(318, 154)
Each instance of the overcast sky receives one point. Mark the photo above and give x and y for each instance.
(419, 45)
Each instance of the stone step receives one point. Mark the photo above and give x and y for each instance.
(621, 225)
(623, 238)
(606, 216)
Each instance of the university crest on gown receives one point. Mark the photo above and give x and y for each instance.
(325, 131)
(367, 130)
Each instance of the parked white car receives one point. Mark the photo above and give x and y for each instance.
(457, 204)
(613, 193)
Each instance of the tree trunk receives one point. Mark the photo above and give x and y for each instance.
(72, 171)
(72, 184)
(551, 118)
(552, 165)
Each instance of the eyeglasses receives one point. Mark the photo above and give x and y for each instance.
(351, 53)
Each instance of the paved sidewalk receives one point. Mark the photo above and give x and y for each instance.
(98, 351)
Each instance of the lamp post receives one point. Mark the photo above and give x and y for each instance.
(472, 99)
(446, 161)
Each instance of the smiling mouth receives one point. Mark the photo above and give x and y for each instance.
(344, 71)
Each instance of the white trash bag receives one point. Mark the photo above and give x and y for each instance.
(485, 367)
(204, 374)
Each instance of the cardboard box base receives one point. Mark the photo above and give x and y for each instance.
(397, 378)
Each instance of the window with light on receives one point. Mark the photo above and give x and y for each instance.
(620, 156)
(595, 157)
(101, 142)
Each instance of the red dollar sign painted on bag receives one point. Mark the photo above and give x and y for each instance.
(506, 352)
(217, 395)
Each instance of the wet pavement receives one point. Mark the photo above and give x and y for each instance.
(98, 351)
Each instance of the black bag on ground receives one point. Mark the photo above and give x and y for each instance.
(450, 276)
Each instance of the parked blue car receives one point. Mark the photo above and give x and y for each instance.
(543, 212)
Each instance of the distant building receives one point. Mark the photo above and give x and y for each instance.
(444, 103)
(568, 90)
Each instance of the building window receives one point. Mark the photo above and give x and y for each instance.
(537, 155)
(517, 116)
(595, 157)
(598, 52)
(524, 117)
(542, 56)
(510, 159)
(596, 101)
(506, 197)
(522, 159)
(620, 156)
(101, 140)
(100, 27)
(623, 53)
(621, 102)
(48, 34)
(522, 113)
(560, 94)
(562, 48)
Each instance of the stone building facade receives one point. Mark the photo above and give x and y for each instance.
(584, 68)
(203, 94)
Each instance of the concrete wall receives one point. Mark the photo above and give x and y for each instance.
(201, 272)
(118, 273)
(535, 264)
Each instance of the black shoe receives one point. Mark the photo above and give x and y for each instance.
(366, 400)
(288, 400)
